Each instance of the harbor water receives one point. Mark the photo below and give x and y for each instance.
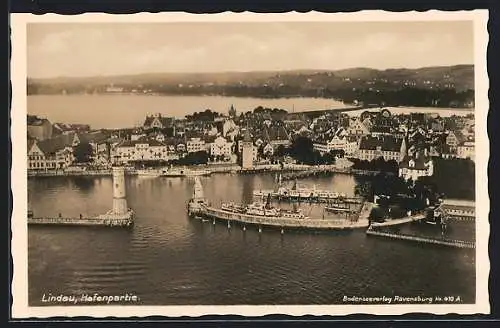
(168, 259)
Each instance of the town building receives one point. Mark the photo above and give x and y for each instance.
(142, 150)
(418, 165)
(351, 146)
(50, 154)
(466, 150)
(335, 143)
(221, 147)
(387, 147)
(39, 128)
(268, 150)
(358, 127)
(459, 207)
(159, 122)
(194, 145)
(454, 139)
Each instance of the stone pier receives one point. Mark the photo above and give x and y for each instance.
(119, 216)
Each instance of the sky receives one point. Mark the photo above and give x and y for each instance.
(90, 49)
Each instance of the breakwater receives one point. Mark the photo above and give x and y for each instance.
(120, 215)
(393, 222)
(425, 240)
(107, 221)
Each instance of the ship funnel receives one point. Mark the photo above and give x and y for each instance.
(268, 201)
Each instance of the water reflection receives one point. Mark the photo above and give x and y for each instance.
(84, 184)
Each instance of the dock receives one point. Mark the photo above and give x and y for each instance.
(425, 240)
(281, 222)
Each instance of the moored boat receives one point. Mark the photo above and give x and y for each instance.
(149, 173)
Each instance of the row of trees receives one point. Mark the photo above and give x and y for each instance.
(206, 116)
(378, 164)
(453, 178)
(302, 150)
(397, 196)
(196, 158)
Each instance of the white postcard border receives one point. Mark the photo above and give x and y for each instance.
(19, 245)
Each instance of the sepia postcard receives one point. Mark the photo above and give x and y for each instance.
(248, 164)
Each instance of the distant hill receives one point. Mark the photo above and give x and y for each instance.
(361, 84)
(462, 76)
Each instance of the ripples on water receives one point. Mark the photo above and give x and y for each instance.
(167, 259)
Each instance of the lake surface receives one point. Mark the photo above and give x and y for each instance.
(169, 259)
(119, 111)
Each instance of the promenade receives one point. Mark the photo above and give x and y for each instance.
(300, 169)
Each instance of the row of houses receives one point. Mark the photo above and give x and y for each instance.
(58, 152)
(367, 137)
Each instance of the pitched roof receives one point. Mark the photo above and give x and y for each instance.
(64, 127)
(143, 140)
(209, 139)
(165, 121)
(30, 143)
(275, 133)
(459, 135)
(93, 137)
(52, 145)
(35, 120)
(386, 142)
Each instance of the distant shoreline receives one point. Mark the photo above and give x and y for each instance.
(347, 105)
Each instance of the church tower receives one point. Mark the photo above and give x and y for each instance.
(247, 151)
(232, 112)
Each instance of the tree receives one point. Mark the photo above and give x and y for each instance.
(83, 152)
(280, 151)
(302, 150)
(199, 157)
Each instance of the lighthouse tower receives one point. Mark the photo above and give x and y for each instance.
(119, 194)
